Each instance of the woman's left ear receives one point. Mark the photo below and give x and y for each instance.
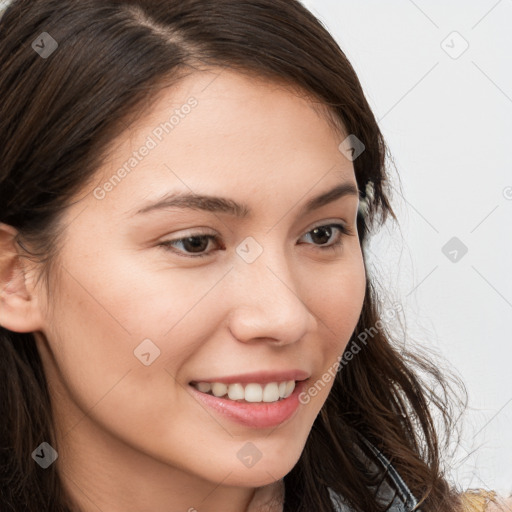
(19, 305)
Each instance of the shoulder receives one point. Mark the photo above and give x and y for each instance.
(392, 490)
(481, 500)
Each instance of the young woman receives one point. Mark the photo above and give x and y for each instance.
(187, 323)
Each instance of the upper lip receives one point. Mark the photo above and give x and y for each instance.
(261, 377)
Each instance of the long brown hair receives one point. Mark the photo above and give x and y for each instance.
(58, 116)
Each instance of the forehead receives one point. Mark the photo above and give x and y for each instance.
(228, 100)
(230, 131)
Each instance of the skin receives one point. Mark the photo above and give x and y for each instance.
(132, 437)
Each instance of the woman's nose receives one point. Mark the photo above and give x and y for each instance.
(267, 302)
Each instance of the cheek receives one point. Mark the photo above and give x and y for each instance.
(338, 306)
(337, 298)
(91, 349)
(109, 314)
(95, 375)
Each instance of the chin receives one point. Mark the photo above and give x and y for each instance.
(265, 471)
(253, 477)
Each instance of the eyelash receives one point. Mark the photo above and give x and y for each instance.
(344, 230)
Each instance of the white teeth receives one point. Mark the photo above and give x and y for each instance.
(204, 387)
(290, 386)
(236, 392)
(253, 392)
(271, 392)
(219, 388)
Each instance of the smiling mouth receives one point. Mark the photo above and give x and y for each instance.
(248, 393)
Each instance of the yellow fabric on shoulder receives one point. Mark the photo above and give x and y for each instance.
(476, 500)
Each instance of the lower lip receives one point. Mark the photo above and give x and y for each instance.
(255, 415)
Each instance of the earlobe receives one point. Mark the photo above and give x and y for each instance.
(19, 308)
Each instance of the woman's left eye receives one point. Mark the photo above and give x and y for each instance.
(326, 232)
(198, 242)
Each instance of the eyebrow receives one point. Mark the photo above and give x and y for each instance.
(189, 200)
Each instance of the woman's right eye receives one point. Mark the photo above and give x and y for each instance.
(193, 245)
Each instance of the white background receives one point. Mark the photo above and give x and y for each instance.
(448, 123)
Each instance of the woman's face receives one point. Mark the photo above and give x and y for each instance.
(256, 296)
